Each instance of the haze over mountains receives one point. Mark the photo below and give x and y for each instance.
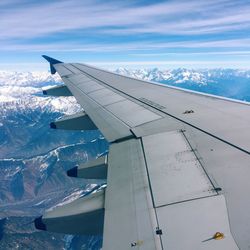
(34, 158)
(232, 83)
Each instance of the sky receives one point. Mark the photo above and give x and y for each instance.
(132, 34)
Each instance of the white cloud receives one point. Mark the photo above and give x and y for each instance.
(240, 52)
(172, 17)
(129, 46)
(65, 26)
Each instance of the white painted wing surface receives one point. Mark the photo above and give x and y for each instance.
(178, 163)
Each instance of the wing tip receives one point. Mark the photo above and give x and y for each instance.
(52, 62)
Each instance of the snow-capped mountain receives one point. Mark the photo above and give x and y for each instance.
(34, 158)
(34, 79)
(22, 90)
(182, 75)
(228, 82)
(232, 83)
(22, 104)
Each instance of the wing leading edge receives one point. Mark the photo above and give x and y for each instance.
(175, 179)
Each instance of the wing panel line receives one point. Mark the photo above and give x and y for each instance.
(163, 111)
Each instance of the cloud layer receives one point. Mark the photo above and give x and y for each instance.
(150, 27)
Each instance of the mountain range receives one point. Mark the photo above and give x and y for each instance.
(231, 83)
(34, 158)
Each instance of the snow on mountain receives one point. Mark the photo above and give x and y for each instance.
(34, 79)
(27, 178)
(22, 90)
(177, 76)
(78, 193)
(36, 158)
(66, 105)
(182, 75)
(231, 83)
(19, 90)
(200, 76)
(146, 74)
(7, 98)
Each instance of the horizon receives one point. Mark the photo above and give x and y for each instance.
(117, 67)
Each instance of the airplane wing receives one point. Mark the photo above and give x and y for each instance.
(177, 170)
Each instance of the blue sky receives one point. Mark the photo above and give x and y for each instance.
(165, 34)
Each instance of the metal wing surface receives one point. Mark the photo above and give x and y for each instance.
(177, 169)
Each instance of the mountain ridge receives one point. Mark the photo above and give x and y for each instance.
(35, 158)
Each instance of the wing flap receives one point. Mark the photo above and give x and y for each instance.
(194, 224)
(130, 220)
(171, 160)
(82, 216)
